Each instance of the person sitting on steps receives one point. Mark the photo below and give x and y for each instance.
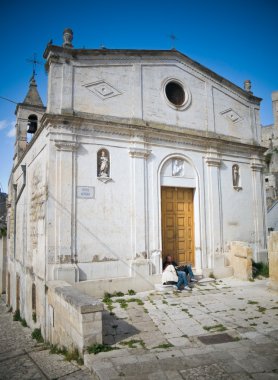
(181, 274)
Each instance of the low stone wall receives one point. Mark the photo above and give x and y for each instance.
(241, 260)
(74, 318)
(273, 259)
(97, 288)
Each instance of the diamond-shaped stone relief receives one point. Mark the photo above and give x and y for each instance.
(102, 89)
(231, 115)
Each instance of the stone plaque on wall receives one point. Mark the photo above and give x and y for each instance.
(85, 192)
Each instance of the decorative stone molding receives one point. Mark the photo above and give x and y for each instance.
(231, 115)
(68, 146)
(104, 179)
(257, 165)
(213, 161)
(139, 152)
(102, 89)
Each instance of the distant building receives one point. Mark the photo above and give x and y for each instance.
(270, 141)
(139, 154)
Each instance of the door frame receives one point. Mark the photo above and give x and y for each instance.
(163, 188)
(184, 183)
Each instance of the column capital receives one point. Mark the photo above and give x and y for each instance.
(257, 164)
(213, 161)
(68, 146)
(139, 152)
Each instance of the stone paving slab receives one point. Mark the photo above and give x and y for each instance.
(247, 311)
(159, 339)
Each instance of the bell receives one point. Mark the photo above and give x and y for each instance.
(32, 126)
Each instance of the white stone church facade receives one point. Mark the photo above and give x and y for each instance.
(138, 154)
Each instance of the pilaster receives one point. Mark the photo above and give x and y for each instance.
(259, 209)
(214, 203)
(139, 156)
(65, 210)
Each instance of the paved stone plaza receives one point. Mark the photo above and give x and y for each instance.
(227, 329)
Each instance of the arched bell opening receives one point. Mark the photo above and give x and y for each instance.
(32, 124)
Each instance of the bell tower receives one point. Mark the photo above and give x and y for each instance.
(28, 116)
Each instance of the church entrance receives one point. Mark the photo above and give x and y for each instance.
(177, 224)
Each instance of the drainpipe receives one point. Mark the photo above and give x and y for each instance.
(16, 199)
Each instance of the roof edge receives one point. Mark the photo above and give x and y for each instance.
(141, 52)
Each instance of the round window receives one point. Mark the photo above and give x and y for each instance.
(175, 93)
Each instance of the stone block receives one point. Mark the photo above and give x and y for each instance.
(241, 260)
(77, 317)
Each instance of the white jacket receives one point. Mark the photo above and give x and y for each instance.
(169, 274)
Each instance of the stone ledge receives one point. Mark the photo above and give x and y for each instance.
(82, 302)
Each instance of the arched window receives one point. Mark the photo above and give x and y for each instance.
(32, 124)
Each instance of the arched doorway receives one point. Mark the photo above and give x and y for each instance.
(180, 210)
(177, 221)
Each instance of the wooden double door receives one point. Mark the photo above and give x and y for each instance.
(177, 224)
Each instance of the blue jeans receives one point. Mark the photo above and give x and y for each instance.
(189, 271)
(182, 280)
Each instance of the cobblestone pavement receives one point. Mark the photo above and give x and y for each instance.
(22, 358)
(221, 330)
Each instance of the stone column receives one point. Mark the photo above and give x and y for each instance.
(273, 259)
(65, 210)
(214, 203)
(139, 204)
(259, 210)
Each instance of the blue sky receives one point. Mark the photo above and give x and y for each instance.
(237, 39)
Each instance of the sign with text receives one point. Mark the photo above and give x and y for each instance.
(85, 192)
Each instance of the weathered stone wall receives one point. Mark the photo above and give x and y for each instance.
(74, 318)
(273, 259)
(3, 263)
(241, 260)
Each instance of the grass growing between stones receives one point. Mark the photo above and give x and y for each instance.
(164, 345)
(133, 343)
(260, 269)
(68, 354)
(261, 309)
(215, 328)
(124, 302)
(97, 348)
(16, 316)
(37, 335)
(250, 302)
(187, 312)
(24, 323)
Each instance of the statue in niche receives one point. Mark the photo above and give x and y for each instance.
(235, 171)
(177, 167)
(103, 163)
